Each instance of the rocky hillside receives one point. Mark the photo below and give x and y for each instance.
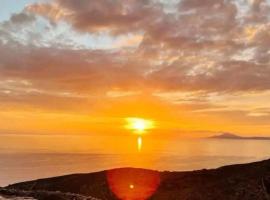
(236, 182)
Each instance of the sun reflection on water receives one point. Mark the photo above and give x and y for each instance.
(139, 143)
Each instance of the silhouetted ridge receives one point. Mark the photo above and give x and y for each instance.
(235, 182)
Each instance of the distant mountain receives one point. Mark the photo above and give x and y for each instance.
(235, 182)
(237, 137)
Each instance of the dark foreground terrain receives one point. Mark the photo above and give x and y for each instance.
(241, 182)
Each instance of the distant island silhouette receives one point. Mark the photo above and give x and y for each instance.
(242, 181)
(236, 137)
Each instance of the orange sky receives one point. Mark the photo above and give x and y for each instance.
(108, 117)
(82, 69)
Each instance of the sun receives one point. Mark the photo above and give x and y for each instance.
(139, 125)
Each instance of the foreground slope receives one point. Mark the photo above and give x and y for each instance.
(236, 182)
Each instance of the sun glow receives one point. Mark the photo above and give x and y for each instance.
(139, 125)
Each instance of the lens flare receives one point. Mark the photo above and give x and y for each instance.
(133, 184)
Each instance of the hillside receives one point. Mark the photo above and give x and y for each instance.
(243, 182)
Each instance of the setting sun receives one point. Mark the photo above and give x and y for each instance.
(139, 125)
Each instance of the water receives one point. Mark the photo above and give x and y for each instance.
(172, 155)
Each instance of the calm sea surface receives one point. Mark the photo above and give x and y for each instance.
(178, 155)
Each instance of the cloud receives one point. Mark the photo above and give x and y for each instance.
(210, 46)
(230, 76)
(70, 70)
(22, 18)
(98, 15)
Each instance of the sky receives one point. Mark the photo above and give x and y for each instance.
(193, 67)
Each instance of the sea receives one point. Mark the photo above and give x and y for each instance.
(179, 155)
